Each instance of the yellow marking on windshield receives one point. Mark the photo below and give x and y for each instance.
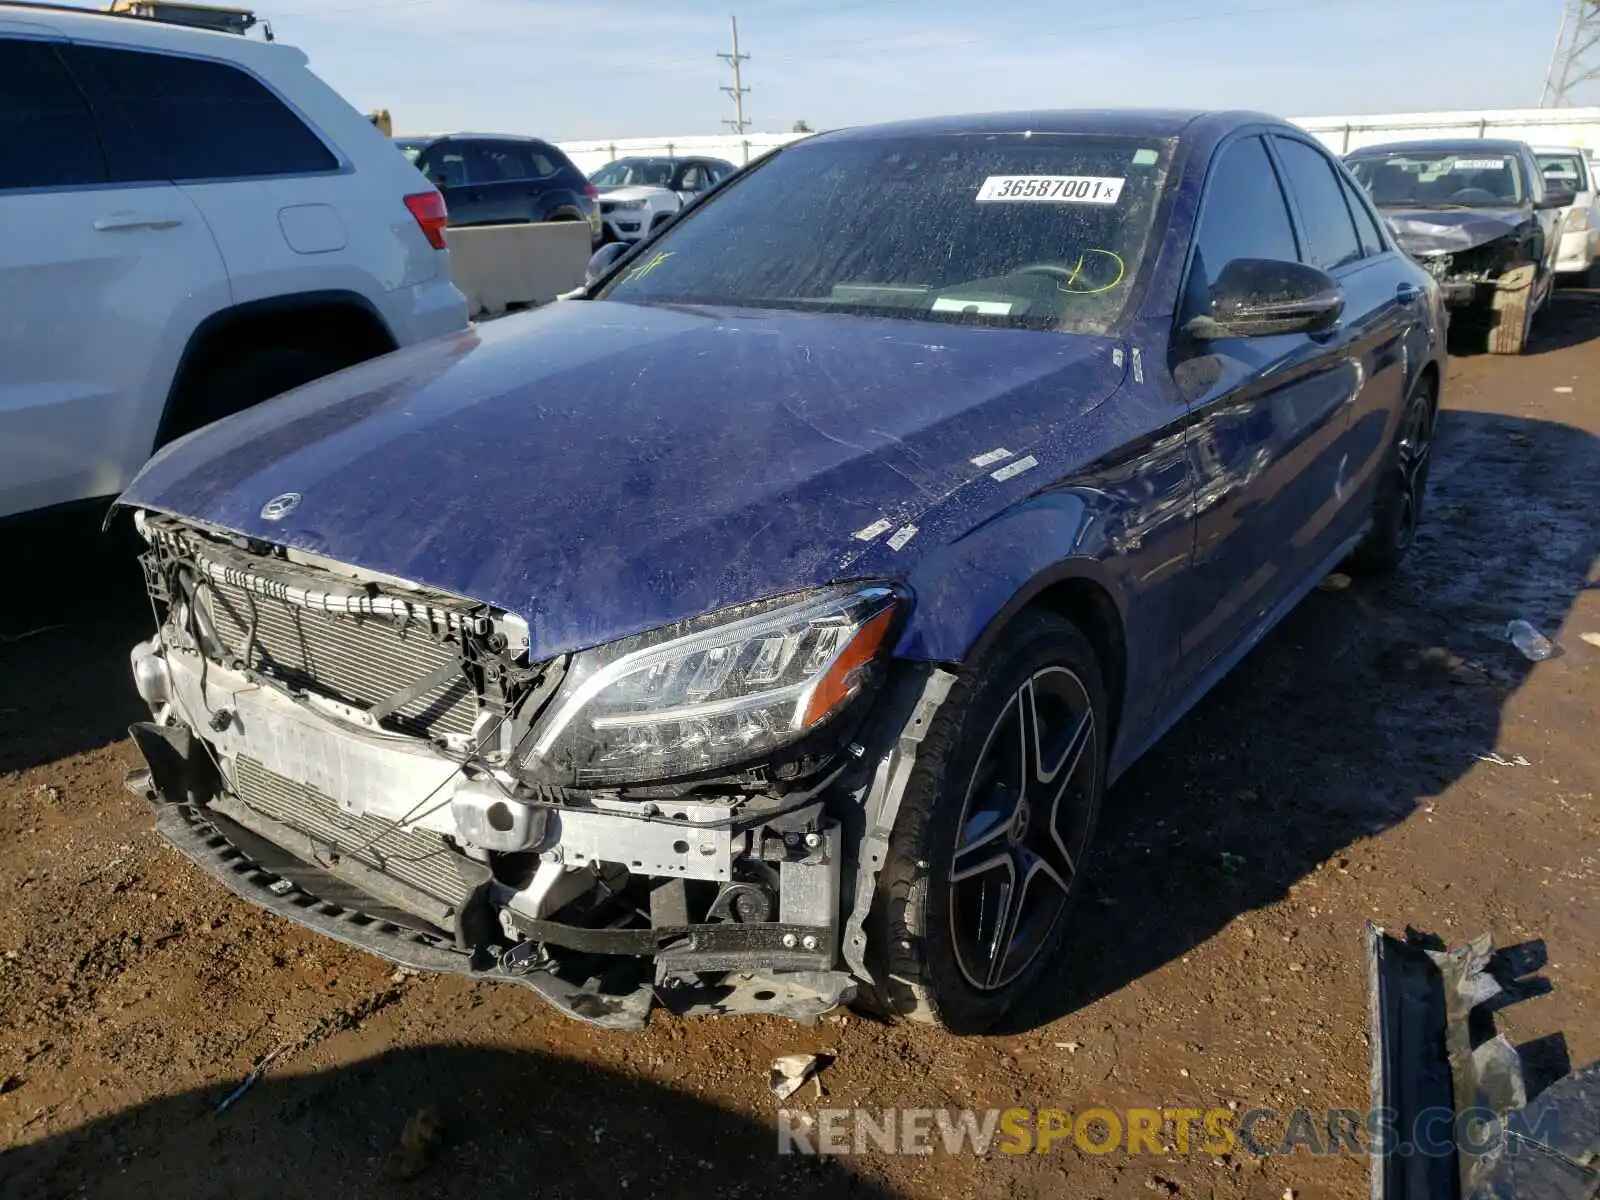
(644, 269)
(1070, 287)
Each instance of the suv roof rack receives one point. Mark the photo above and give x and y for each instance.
(214, 17)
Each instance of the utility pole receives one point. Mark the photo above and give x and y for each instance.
(1576, 60)
(738, 90)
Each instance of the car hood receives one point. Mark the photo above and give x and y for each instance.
(603, 468)
(1447, 230)
(637, 191)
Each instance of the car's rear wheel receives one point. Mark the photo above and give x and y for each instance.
(1402, 488)
(990, 840)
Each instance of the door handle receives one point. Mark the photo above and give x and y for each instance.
(1408, 293)
(137, 221)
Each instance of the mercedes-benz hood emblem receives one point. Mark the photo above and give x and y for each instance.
(280, 507)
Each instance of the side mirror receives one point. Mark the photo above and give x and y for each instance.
(1556, 200)
(1258, 297)
(602, 259)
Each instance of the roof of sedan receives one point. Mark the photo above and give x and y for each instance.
(1130, 122)
(1448, 145)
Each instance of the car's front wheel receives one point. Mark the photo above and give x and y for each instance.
(989, 843)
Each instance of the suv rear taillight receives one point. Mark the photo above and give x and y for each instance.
(591, 191)
(428, 208)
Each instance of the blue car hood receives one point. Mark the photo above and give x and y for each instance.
(602, 468)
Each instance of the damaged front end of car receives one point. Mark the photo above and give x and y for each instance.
(1469, 254)
(692, 816)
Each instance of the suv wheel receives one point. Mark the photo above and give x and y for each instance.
(992, 831)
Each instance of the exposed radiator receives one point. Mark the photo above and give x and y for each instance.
(359, 660)
(415, 857)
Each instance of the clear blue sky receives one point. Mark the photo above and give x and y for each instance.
(594, 68)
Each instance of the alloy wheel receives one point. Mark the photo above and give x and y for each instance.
(1416, 453)
(1024, 825)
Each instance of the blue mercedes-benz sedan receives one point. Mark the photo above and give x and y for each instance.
(759, 629)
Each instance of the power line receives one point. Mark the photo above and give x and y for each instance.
(738, 90)
(1574, 61)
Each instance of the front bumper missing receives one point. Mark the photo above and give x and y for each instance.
(347, 902)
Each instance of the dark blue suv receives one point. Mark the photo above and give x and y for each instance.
(761, 630)
(499, 179)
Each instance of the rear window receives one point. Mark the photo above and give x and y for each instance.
(1026, 231)
(166, 117)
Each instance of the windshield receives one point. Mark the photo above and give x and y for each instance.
(1016, 230)
(412, 149)
(1439, 179)
(632, 172)
(1564, 172)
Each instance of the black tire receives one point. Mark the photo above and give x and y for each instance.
(242, 382)
(1402, 487)
(919, 951)
(1513, 310)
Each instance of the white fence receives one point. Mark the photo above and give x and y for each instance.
(1540, 126)
(737, 149)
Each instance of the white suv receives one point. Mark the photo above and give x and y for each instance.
(190, 223)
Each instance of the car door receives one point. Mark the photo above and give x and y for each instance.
(1552, 221)
(99, 285)
(1266, 416)
(1384, 300)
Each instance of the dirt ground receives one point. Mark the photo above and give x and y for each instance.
(1339, 775)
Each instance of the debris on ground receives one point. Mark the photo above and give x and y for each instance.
(1592, 638)
(1337, 582)
(1516, 760)
(419, 1140)
(790, 1072)
(1534, 645)
(249, 1081)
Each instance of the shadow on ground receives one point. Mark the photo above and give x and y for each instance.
(509, 1123)
(1364, 703)
(71, 608)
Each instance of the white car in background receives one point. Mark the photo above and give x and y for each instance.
(637, 195)
(1564, 168)
(190, 222)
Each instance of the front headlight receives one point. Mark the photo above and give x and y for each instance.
(630, 205)
(1577, 219)
(714, 692)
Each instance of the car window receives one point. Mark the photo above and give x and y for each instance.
(1366, 223)
(445, 164)
(1330, 230)
(1564, 172)
(47, 134)
(166, 117)
(1439, 178)
(544, 160)
(1024, 231)
(692, 180)
(498, 162)
(1245, 216)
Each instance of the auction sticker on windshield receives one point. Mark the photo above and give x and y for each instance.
(1478, 164)
(1051, 189)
